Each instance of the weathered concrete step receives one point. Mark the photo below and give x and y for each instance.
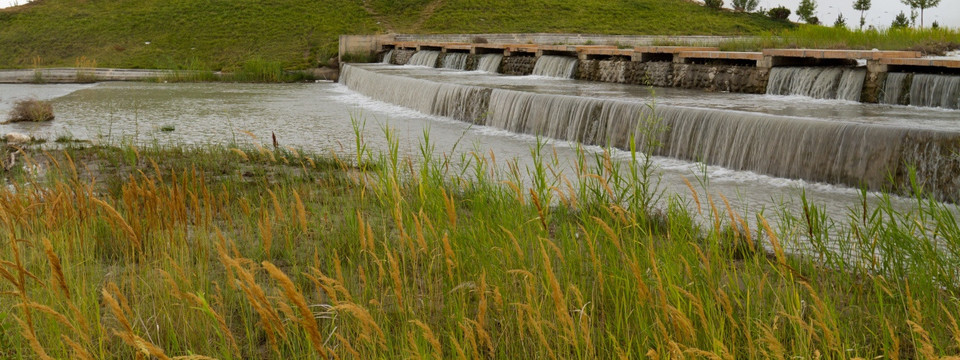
(943, 63)
(841, 54)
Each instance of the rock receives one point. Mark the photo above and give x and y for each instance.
(17, 138)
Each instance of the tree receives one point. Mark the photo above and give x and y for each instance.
(922, 5)
(841, 22)
(901, 21)
(806, 10)
(863, 6)
(716, 4)
(779, 13)
(935, 25)
(745, 5)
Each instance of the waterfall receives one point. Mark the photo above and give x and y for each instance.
(935, 91)
(555, 66)
(922, 90)
(387, 57)
(893, 89)
(426, 58)
(490, 63)
(817, 82)
(852, 154)
(455, 61)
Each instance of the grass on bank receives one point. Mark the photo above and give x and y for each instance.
(274, 253)
(220, 35)
(928, 41)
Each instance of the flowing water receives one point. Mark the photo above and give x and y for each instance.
(817, 82)
(807, 141)
(491, 114)
(455, 61)
(922, 90)
(490, 63)
(387, 57)
(555, 66)
(935, 91)
(426, 58)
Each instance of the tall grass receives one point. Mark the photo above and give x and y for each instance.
(274, 253)
(929, 41)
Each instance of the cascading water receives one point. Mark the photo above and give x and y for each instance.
(455, 61)
(555, 66)
(817, 82)
(922, 90)
(490, 63)
(854, 154)
(387, 57)
(426, 58)
(893, 89)
(935, 91)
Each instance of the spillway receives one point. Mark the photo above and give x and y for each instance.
(455, 61)
(555, 66)
(929, 90)
(387, 57)
(817, 82)
(820, 150)
(426, 58)
(490, 63)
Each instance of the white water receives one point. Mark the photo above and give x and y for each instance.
(426, 58)
(935, 91)
(817, 82)
(387, 57)
(836, 152)
(923, 90)
(455, 61)
(893, 88)
(490, 63)
(555, 66)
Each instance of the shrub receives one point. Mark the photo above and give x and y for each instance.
(31, 110)
(745, 5)
(716, 4)
(900, 22)
(779, 13)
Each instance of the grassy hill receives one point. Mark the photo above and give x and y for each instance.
(223, 34)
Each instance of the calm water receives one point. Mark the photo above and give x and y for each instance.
(317, 117)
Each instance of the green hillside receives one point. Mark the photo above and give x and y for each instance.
(221, 34)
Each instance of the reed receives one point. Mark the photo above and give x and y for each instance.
(312, 257)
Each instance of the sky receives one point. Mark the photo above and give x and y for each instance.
(881, 14)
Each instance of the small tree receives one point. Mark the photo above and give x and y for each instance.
(901, 21)
(863, 6)
(840, 22)
(922, 5)
(935, 25)
(716, 4)
(779, 13)
(745, 5)
(806, 10)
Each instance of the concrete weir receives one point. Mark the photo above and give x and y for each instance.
(851, 75)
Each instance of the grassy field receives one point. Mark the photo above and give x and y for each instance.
(297, 34)
(190, 253)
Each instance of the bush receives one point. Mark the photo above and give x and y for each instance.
(716, 4)
(31, 110)
(779, 13)
(745, 5)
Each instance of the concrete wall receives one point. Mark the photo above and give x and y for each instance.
(362, 44)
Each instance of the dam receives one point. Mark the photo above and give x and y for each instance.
(883, 121)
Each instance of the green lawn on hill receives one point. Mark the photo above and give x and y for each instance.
(224, 34)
